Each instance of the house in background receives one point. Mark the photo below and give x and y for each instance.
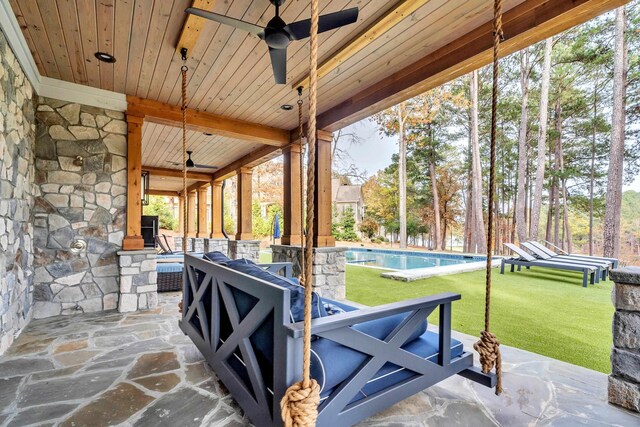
(346, 196)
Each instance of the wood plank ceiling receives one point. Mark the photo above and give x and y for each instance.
(229, 70)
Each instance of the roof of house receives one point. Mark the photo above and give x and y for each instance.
(345, 193)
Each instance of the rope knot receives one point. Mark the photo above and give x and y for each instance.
(299, 405)
(489, 349)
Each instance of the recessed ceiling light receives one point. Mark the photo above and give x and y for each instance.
(105, 57)
(208, 133)
(287, 107)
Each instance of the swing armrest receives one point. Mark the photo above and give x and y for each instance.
(323, 324)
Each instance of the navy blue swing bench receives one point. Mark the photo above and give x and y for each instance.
(246, 319)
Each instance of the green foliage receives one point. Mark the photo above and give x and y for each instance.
(159, 206)
(369, 227)
(345, 229)
(263, 226)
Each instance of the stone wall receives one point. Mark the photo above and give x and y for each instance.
(79, 214)
(17, 136)
(138, 280)
(329, 268)
(624, 381)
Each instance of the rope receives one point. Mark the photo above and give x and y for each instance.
(300, 403)
(488, 346)
(301, 136)
(185, 222)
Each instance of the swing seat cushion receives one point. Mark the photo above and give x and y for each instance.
(217, 257)
(297, 292)
(332, 363)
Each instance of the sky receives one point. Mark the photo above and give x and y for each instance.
(375, 150)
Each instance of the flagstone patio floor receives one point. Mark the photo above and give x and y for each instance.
(138, 369)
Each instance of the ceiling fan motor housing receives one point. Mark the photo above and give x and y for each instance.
(275, 35)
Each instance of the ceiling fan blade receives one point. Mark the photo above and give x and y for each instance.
(246, 26)
(205, 166)
(279, 64)
(302, 29)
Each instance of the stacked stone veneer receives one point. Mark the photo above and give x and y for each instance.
(329, 268)
(220, 245)
(624, 381)
(248, 249)
(138, 280)
(82, 177)
(17, 136)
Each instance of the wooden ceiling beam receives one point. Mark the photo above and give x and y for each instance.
(396, 13)
(164, 193)
(528, 23)
(197, 185)
(175, 173)
(192, 27)
(250, 160)
(166, 114)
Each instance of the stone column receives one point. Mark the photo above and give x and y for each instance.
(216, 210)
(244, 229)
(624, 381)
(191, 214)
(202, 213)
(323, 235)
(220, 245)
(198, 245)
(329, 268)
(138, 280)
(177, 243)
(133, 239)
(248, 249)
(292, 203)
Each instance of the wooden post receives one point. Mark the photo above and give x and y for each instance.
(323, 236)
(216, 210)
(133, 240)
(244, 230)
(292, 204)
(202, 213)
(181, 215)
(191, 214)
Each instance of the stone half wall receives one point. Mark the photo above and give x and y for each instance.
(80, 208)
(17, 136)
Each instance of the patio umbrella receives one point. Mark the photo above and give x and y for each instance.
(276, 227)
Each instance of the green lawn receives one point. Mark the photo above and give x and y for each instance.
(543, 311)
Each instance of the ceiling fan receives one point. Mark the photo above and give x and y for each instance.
(278, 34)
(191, 164)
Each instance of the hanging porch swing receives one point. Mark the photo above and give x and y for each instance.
(282, 351)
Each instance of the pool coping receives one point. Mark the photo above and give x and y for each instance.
(423, 273)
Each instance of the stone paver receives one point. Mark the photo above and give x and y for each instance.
(138, 369)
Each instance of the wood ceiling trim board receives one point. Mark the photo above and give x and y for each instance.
(298, 56)
(51, 20)
(86, 10)
(230, 170)
(235, 73)
(394, 15)
(164, 193)
(157, 27)
(466, 53)
(334, 85)
(142, 12)
(105, 18)
(169, 114)
(351, 77)
(229, 48)
(15, 7)
(39, 36)
(193, 26)
(124, 17)
(177, 173)
(70, 26)
(197, 185)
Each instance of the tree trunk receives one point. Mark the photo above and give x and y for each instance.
(592, 176)
(436, 204)
(613, 201)
(557, 161)
(521, 223)
(542, 141)
(402, 175)
(479, 241)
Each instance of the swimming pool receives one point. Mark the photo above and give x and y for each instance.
(405, 260)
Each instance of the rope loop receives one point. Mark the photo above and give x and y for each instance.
(299, 405)
(488, 347)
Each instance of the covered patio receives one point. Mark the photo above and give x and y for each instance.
(82, 129)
